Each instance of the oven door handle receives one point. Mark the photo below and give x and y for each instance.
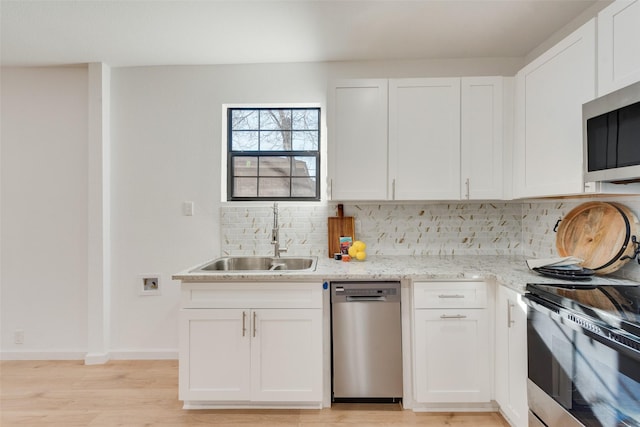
(543, 306)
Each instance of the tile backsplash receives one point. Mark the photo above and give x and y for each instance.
(462, 228)
(247, 230)
(439, 229)
(389, 229)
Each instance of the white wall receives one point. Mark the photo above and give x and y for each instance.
(44, 210)
(166, 136)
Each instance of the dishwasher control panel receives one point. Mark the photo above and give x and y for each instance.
(365, 291)
(352, 291)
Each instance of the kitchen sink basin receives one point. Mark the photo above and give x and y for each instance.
(258, 263)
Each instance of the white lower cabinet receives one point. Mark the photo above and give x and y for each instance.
(511, 356)
(452, 343)
(286, 355)
(258, 355)
(251, 355)
(215, 355)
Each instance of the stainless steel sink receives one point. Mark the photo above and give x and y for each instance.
(258, 263)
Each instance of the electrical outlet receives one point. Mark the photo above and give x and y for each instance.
(150, 284)
(18, 336)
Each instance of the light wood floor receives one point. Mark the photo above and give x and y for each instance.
(145, 393)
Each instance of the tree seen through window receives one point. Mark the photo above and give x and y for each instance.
(273, 153)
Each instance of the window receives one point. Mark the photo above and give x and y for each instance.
(273, 153)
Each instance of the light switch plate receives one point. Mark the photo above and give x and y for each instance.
(187, 208)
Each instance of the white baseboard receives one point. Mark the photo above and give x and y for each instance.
(144, 355)
(42, 355)
(250, 405)
(91, 358)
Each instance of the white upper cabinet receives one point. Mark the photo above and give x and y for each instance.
(481, 138)
(424, 138)
(357, 126)
(618, 45)
(550, 92)
(444, 139)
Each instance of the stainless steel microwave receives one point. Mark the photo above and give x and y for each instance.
(611, 133)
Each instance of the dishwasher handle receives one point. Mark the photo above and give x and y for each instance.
(356, 298)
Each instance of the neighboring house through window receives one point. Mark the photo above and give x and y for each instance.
(273, 153)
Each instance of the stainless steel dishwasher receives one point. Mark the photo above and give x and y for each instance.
(366, 341)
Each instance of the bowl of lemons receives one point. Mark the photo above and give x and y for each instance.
(357, 251)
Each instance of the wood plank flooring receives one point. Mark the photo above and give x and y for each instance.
(145, 393)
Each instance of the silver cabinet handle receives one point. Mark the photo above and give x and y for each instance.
(393, 189)
(450, 296)
(244, 323)
(467, 183)
(456, 316)
(510, 320)
(254, 324)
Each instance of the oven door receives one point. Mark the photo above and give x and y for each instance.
(576, 376)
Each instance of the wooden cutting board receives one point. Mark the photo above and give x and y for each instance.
(599, 233)
(339, 226)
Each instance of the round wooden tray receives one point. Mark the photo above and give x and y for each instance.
(599, 233)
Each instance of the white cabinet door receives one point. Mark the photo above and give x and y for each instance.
(269, 355)
(618, 45)
(357, 126)
(550, 92)
(452, 355)
(511, 356)
(286, 355)
(424, 138)
(214, 355)
(481, 138)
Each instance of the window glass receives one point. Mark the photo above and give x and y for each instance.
(273, 153)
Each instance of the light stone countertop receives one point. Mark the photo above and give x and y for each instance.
(510, 271)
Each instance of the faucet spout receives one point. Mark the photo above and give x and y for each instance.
(275, 233)
(275, 215)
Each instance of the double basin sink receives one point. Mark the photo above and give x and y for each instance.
(258, 263)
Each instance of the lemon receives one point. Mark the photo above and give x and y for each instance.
(361, 256)
(359, 245)
(353, 251)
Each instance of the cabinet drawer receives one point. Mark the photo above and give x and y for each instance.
(450, 294)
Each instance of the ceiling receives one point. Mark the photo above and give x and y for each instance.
(168, 32)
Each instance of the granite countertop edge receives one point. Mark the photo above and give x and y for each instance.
(507, 270)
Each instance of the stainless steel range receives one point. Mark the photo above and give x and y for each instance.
(583, 344)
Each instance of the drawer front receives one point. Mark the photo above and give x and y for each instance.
(450, 294)
(252, 294)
